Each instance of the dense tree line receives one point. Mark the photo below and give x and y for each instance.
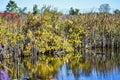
(51, 32)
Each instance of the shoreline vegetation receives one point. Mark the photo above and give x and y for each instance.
(36, 44)
(52, 33)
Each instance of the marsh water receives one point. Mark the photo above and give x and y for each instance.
(93, 65)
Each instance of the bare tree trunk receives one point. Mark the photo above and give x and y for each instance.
(113, 43)
(104, 41)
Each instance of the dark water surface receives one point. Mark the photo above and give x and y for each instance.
(94, 65)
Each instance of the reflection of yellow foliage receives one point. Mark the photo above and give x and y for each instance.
(44, 67)
(29, 65)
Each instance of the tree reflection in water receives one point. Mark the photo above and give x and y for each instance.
(91, 66)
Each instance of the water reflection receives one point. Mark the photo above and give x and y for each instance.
(27, 68)
(97, 67)
(93, 65)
